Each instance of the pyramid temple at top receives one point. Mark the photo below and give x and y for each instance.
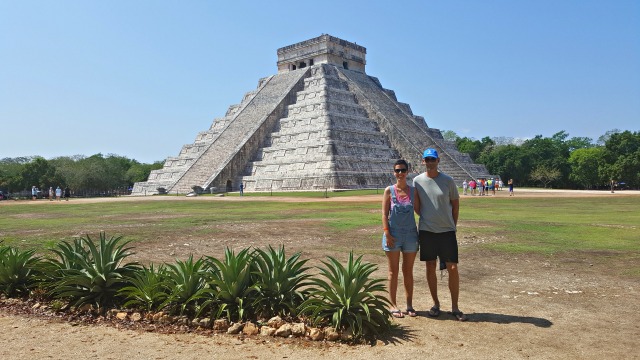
(320, 123)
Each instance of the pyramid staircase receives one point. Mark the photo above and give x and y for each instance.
(316, 127)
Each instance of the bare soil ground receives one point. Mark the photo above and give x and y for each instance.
(518, 306)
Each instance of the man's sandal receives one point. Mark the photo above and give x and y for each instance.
(411, 312)
(459, 315)
(397, 314)
(434, 311)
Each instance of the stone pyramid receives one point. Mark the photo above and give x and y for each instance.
(320, 123)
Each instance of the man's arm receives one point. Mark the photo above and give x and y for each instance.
(455, 209)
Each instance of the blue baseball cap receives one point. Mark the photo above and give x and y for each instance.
(432, 153)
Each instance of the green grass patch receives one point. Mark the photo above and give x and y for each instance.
(551, 225)
(544, 225)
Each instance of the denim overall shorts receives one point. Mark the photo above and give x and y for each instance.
(402, 224)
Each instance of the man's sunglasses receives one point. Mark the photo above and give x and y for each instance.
(400, 171)
(430, 159)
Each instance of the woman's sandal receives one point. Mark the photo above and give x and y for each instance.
(459, 315)
(397, 314)
(411, 312)
(434, 311)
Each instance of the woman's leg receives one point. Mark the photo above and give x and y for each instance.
(408, 260)
(393, 259)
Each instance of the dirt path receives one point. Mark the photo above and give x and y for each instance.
(519, 307)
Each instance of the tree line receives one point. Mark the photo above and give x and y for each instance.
(80, 173)
(559, 161)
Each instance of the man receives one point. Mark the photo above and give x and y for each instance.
(439, 207)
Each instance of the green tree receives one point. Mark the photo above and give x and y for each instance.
(586, 167)
(508, 161)
(622, 153)
(545, 174)
(140, 172)
(449, 135)
(474, 147)
(10, 173)
(603, 139)
(40, 173)
(549, 153)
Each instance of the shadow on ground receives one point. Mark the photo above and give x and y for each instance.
(398, 335)
(508, 319)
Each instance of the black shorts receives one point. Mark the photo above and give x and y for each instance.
(443, 245)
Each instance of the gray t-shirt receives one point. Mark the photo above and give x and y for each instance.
(435, 202)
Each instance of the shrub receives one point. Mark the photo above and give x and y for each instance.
(94, 273)
(186, 285)
(18, 270)
(347, 299)
(149, 289)
(69, 256)
(278, 282)
(230, 283)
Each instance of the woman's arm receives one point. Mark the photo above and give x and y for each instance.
(386, 208)
(416, 201)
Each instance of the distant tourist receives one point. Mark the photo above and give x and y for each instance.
(464, 186)
(67, 193)
(241, 189)
(51, 193)
(58, 193)
(472, 185)
(439, 205)
(399, 202)
(510, 183)
(34, 192)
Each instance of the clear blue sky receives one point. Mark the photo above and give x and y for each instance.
(142, 78)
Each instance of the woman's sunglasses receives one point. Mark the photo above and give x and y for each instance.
(400, 171)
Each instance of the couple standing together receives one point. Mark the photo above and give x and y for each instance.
(434, 196)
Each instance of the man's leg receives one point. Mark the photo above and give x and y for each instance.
(432, 280)
(454, 285)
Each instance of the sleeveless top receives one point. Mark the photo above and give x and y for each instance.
(401, 218)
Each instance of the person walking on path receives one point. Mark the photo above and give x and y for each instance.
(67, 193)
(439, 205)
(510, 183)
(464, 186)
(399, 202)
(241, 189)
(58, 193)
(34, 192)
(51, 193)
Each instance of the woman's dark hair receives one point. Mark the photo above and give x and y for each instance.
(401, 162)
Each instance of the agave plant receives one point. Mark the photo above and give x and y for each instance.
(69, 256)
(278, 282)
(187, 281)
(149, 289)
(96, 273)
(230, 283)
(18, 270)
(347, 299)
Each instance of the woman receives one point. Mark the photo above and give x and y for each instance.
(510, 183)
(400, 235)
